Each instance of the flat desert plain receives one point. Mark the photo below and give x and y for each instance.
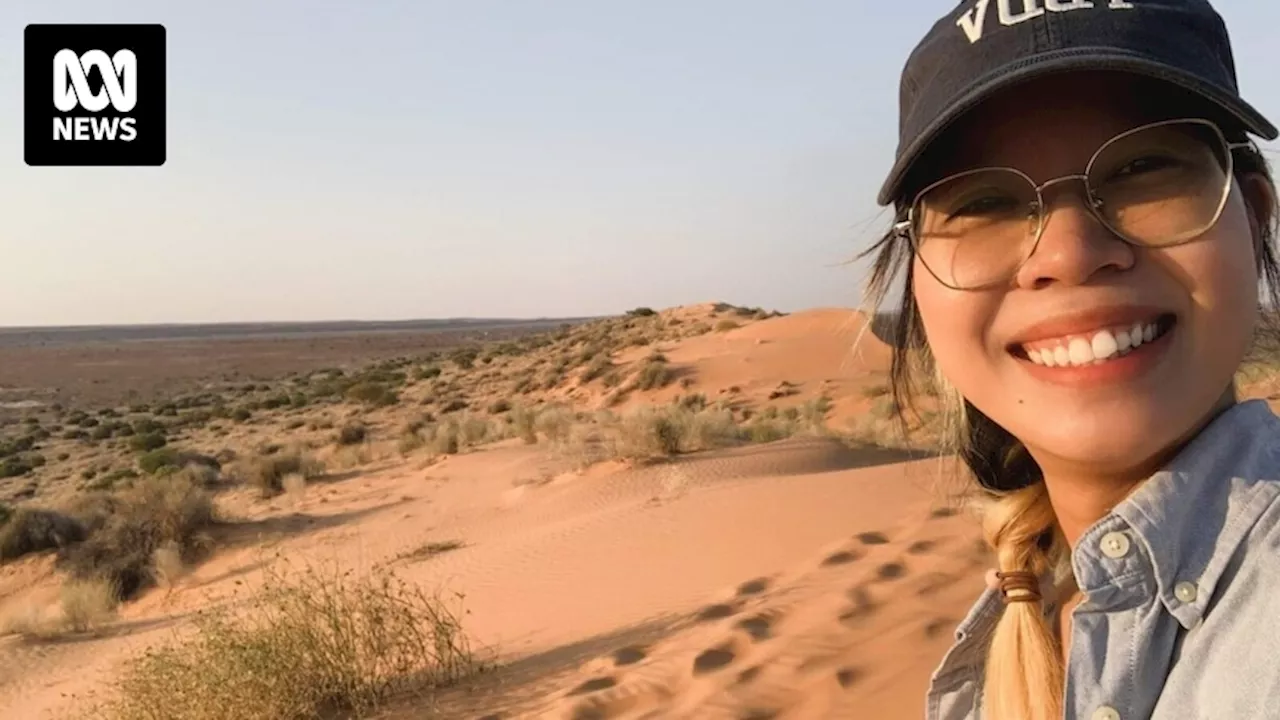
(701, 512)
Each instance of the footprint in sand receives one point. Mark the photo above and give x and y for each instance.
(891, 571)
(629, 655)
(846, 677)
(921, 547)
(716, 612)
(593, 685)
(753, 587)
(872, 538)
(759, 626)
(843, 557)
(715, 658)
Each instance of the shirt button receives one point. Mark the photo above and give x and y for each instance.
(1185, 591)
(1105, 713)
(1114, 545)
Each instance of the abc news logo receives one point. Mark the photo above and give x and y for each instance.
(107, 105)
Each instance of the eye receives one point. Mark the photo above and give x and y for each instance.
(1144, 165)
(985, 205)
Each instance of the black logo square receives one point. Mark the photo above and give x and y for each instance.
(94, 94)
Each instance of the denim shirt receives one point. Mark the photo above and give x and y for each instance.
(1181, 583)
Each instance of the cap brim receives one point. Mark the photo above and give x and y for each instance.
(1063, 61)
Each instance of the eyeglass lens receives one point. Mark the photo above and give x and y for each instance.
(1160, 185)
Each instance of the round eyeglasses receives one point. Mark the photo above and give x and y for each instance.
(1157, 185)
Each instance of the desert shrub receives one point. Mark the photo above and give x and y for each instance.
(694, 402)
(524, 425)
(447, 439)
(599, 365)
(374, 394)
(641, 312)
(147, 441)
(409, 442)
(267, 473)
(172, 458)
(453, 405)
(464, 358)
(472, 429)
(32, 530)
(164, 457)
(655, 373)
(726, 324)
(426, 372)
(88, 604)
(241, 414)
(499, 406)
(131, 524)
(15, 467)
(145, 426)
(349, 644)
(352, 433)
(555, 425)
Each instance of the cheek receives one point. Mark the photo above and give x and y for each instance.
(1221, 277)
(955, 324)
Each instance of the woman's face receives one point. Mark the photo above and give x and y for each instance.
(1113, 416)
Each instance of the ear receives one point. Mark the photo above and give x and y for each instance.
(1260, 199)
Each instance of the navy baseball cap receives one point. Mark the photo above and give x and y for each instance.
(985, 46)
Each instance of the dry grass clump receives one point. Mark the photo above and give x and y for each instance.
(31, 530)
(88, 604)
(312, 644)
(685, 426)
(653, 374)
(267, 473)
(130, 525)
(524, 424)
(82, 606)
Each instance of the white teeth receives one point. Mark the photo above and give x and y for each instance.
(1104, 345)
(1136, 335)
(1080, 351)
(1100, 347)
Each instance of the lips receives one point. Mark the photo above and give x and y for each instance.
(1097, 347)
(1092, 337)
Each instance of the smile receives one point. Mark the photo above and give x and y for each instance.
(1095, 347)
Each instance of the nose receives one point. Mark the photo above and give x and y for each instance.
(1074, 246)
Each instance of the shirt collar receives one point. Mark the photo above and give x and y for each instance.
(1191, 516)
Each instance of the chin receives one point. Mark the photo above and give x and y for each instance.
(1114, 439)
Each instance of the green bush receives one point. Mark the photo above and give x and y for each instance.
(147, 441)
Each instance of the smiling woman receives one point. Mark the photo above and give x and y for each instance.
(1083, 229)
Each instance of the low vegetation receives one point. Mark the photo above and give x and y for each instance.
(313, 643)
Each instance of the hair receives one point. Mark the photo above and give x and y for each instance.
(1024, 673)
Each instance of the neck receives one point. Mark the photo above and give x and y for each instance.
(1082, 495)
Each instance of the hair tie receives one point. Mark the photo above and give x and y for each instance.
(1019, 586)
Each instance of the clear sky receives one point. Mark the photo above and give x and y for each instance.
(387, 159)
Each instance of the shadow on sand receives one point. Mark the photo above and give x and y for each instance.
(252, 532)
(518, 687)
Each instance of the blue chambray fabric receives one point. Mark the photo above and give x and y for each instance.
(1181, 616)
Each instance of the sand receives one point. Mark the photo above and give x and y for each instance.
(799, 579)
